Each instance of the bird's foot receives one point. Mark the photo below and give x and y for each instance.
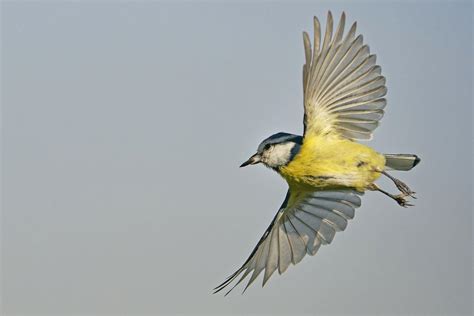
(401, 186)
(404, 188)
(402, 200)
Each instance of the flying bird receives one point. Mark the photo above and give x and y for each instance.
(326, 169)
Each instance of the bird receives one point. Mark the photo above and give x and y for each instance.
(327, 169)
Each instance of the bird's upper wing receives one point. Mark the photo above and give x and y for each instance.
(343, 87)
(304, 222)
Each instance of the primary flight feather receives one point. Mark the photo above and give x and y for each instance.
(326, 170)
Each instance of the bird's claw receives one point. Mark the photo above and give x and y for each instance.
(401, 200)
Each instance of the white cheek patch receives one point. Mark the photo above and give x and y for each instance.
(278, 155)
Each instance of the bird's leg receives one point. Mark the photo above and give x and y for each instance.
(400, 198)
(400, 185)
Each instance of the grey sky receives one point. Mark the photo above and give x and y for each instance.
(123, 128)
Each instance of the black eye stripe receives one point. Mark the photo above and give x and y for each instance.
(279, 138)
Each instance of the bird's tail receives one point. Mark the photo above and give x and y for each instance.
(403, 162)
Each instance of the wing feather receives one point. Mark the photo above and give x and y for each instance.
(305, 221)
(317, 37)
(339, 76)
(298, 246)
(285, 251)
(273, 255)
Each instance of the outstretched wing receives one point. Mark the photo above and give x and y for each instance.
(343, 86)
(304, 222)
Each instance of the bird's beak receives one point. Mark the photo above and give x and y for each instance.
(252, 160)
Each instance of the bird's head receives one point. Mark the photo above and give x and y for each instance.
(276, 151)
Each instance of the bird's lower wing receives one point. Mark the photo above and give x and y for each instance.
(304, 222)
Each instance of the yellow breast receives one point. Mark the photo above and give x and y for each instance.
(332, 161)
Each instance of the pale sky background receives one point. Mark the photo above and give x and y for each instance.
(123, 128)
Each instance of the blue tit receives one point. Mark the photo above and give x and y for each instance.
(326, 169)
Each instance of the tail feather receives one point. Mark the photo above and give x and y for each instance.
(403, 162)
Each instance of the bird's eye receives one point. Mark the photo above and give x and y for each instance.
(267, 146)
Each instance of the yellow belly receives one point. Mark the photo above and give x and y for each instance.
(331, 161)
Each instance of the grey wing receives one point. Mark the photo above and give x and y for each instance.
(343, 86)
(300, 227)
